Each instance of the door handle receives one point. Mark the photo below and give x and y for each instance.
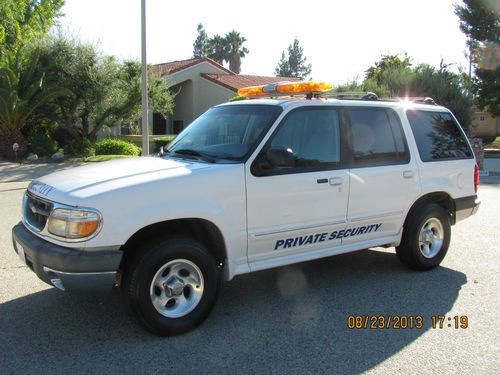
(335, 181)
(408, 174)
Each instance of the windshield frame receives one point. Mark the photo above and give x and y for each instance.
(170, 152)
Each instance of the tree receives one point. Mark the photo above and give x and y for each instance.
(293, 65)
(105, 91)
(200, 45)
(480, 21)
(446, 88)
(24, 20)
(217, 48)
(235, 50)
(228, 48)
(394, 77)
(388, 63)
(283, 69)
(23, 91)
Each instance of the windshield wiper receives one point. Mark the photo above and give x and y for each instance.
(188, 151)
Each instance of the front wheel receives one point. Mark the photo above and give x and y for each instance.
(426, 237)
(173, 286)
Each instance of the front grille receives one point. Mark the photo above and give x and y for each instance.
(36, 212)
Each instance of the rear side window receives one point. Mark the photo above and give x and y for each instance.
(377, 138)
(438, 136)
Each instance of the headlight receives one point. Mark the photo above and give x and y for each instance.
(74, 224)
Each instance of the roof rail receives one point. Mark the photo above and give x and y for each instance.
(421, 99)
(351, 95)
(372, 96)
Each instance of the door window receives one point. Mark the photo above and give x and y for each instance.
(377, 138)
(313, 136)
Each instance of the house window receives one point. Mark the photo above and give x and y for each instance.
(178, 126)
(481, 118)
(159, 124)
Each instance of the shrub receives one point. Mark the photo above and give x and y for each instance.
(8, 137)
(116, 147)
(163, 141)
(491, 142)
(80, 147)
(42, 144)
(236, 98)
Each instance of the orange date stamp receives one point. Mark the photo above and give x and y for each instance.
(407, 322)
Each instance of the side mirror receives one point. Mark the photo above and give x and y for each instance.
(279, 157)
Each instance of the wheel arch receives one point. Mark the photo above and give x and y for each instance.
(200, 229)
(440, 198)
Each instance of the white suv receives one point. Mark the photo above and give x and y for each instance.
(251, 185)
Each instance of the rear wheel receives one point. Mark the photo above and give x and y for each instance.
(172, 286)
(426, 237)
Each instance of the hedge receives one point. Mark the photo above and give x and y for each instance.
(80, 148)
(116, 147)
(162, 141)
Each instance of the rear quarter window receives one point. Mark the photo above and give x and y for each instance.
(438, 136)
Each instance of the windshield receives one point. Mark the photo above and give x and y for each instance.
(227, 132)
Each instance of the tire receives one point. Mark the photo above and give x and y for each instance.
(173, 286)
(426, 237)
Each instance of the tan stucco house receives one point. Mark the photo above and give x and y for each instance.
(200, 83)
(485, 125)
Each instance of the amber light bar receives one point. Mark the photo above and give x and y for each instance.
(285, 88)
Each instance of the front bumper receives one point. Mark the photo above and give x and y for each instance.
(465, 207)
(65, 268)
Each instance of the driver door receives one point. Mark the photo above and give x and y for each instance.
(301, 208)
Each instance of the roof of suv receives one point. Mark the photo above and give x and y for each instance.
(289, 102)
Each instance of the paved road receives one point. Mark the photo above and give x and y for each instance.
(287, 320)
(12, 172)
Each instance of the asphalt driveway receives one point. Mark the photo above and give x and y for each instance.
(287, 320)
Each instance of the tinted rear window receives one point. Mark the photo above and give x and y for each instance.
(438, 136)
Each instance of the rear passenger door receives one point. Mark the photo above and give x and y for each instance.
(383, 177)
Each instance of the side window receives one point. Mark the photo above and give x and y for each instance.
(438, 136)
(377, 138)
(313, 135)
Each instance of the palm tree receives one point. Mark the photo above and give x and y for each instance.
(217, 48)
(22, 93)
(235, 50)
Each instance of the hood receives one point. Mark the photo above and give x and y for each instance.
(92, 179)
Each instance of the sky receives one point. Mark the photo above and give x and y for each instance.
(341, 39)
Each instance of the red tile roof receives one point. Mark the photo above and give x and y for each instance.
(234, 82)
(230, 80)
(176, 66)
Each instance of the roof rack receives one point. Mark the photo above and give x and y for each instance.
(372, 96)
(367, 95)
(421, 99)
(317, 90)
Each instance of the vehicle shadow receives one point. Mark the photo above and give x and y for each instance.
(287, 320)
